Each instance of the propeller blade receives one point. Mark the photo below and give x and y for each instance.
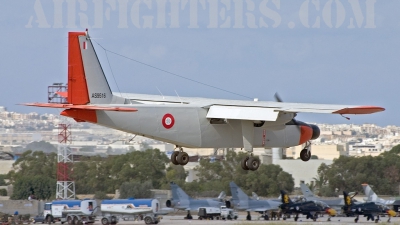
(277, 97)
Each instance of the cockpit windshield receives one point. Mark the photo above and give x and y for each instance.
(322, 204)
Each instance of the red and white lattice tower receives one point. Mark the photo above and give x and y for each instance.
(65, 185)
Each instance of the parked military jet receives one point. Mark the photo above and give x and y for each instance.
(336, 203)
(241, 201)
(370, 196)
(371, 210)
(182, 121)
(309, 208)
(181, 201)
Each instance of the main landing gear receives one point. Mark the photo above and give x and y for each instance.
(250, 163)
(305, 154)
(179, 157)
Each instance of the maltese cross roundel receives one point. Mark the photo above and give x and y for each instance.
(168, 121)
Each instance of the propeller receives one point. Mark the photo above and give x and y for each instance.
(277, 97)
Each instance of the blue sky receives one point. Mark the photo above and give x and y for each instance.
(326, 51)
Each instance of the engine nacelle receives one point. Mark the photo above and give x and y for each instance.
(316, 131)
(228, 204)
(171, 203)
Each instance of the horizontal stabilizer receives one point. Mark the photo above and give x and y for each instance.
(84, 107)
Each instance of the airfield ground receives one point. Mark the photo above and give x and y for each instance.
(178, 220)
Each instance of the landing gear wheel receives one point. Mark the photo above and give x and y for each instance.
(104, 221)
(305, 155)
(253, 163)
(355, 220)
(296, 218)
(248, 217)
(244, 163)
(182, 158)
(173, 158)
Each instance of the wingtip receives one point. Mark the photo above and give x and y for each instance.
(360, 110)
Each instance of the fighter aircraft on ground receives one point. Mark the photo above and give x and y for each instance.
(184, 121)
(309, 208)
(336, 204)
(241, 201)
(370, 196)
(371, 210)
(181, 201)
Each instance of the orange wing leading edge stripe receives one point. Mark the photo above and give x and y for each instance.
(360, 110)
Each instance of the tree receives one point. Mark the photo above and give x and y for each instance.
(108, 174)
(266, 181)
(41, 146)
(34, 173)
(41, 187)
(135, 189)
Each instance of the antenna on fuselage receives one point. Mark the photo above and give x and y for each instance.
(160, 93)
(178, 96)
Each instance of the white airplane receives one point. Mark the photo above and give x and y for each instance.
(186, 122)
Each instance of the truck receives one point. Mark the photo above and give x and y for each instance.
(223, 213)
(138, 209)
(71, 211)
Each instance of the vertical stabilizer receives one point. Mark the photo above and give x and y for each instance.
(87, 82)
(177, 193)
(285, 198)
(347, 199)
(308, 194)
(370, 194)
(237, 193)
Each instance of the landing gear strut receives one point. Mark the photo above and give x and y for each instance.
(250, 163)
(305, 154)
(179, 157)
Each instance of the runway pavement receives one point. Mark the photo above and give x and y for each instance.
(172, 220)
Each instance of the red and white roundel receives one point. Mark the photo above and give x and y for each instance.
(168, 121)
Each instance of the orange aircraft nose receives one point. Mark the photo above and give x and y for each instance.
(306, 133)
(331, 212)
(391, 213)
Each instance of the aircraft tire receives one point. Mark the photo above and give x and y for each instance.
(182, 158)
(253, 163)
(304, 156)
(104, 221)
(173, 158)
(244, 163)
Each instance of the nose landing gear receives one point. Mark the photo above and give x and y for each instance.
(179, 157)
